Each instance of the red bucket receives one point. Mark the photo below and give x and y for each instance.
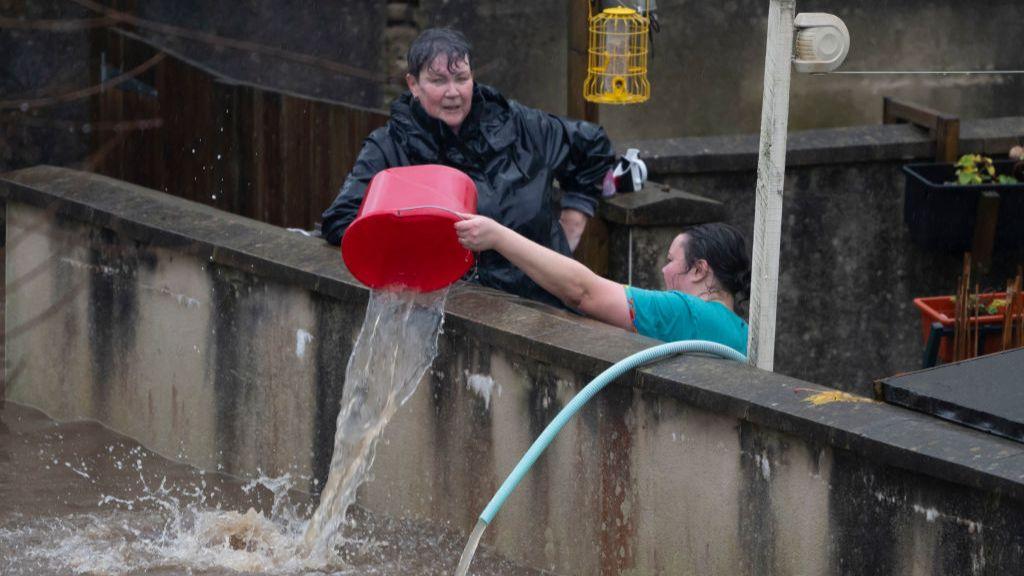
(404, 234)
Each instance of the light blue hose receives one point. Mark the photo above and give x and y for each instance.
(584, 396)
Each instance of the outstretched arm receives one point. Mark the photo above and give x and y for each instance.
(571, 282)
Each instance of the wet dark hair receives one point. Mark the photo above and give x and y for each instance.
(433, 42)
(725, 250)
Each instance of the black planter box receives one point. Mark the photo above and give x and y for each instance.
(942, 215)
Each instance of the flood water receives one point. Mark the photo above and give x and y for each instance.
(77, 498)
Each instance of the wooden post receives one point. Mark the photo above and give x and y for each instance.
(947, 139)
(593, 247)
(985, 230)
(771, 169)
(578, 61)
(3, 304)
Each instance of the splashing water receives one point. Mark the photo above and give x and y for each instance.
(79, 500)
(395, 347)
(75, 498)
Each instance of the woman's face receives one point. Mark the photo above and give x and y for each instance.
(445, 95)
(677, 275)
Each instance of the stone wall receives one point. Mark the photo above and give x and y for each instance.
(223, 341)
(849, 270)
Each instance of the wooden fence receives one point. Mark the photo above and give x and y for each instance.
(274, 157)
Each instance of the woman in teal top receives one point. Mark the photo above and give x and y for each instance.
(707, 268)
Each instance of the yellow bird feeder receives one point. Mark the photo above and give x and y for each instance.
(617, 69)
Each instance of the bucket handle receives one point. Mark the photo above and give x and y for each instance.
(398, 211)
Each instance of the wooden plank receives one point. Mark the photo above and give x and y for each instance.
(895, 111)
(3, 303)
(578, 61)
(985, 230)
(771, 168)
(297, 153)
(159, 167)
(339, 157)
(247, 146)
(224, 162)
(270, 161)
(593, 249)
(945, 128)
(947, 139)
(318, 175)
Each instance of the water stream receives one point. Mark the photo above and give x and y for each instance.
(395, 347)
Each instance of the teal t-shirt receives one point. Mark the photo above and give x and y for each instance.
(672, 316)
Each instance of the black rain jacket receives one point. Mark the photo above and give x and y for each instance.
(513, 154)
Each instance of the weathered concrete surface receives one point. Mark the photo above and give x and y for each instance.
(707, 68)
(849, 271)
(180, 325)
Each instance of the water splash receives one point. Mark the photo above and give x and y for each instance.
(169, 528)
(395, 347)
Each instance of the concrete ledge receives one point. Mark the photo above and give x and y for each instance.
(660, 205)
(877, 431)
(827, 146)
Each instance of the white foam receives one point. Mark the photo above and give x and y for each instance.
(483, 386)
(301, 339)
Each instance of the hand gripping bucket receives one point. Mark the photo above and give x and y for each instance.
(404, 233)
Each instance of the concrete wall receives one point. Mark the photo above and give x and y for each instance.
(849, 271)
(706, 71)
(179, 325)
(707, 67)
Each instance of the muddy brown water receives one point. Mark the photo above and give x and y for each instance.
(77, 498)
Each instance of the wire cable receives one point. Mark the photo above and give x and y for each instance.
(122, 17)
(25, 104)
(59, 25)
(926, 72)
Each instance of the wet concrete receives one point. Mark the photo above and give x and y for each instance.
(76, 497)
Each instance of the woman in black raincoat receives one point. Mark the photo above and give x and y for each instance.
(513, 154)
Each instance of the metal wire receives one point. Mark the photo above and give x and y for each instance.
(927, 72)
(24, 104)
(213, 39)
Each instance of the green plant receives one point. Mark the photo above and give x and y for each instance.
(978, 169)
(982, 307)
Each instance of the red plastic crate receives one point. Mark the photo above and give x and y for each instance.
(942, 309)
